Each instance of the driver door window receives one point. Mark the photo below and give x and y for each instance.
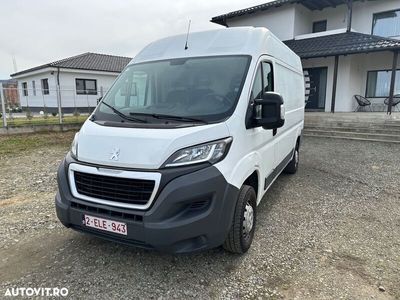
(268, 78)
(263, 82)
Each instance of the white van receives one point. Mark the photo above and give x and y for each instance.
(183, 147)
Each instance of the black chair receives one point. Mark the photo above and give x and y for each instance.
(395, 102)
(362, 102)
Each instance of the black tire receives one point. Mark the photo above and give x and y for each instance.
(293, 165)
(239, 239)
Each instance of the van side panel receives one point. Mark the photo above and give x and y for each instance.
(290, 84)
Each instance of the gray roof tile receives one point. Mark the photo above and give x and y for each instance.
(310, 4)
(86, 61)
(341, 44)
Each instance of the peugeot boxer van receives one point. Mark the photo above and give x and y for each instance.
(182, 148)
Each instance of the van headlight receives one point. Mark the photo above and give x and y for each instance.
(211, 152)
(74, 146)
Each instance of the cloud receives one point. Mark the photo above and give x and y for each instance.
(41, 31)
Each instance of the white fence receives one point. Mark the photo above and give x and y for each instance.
(43, 103)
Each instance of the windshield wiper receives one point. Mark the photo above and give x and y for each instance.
(170, 117)
(122, 115)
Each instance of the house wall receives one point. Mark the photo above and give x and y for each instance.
(352, 77)
(39, 100)
(362, 14)
(289, 21)
(280, 21)
(302, 24)
(69, 98)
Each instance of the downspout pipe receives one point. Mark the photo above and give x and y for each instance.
(349, 14)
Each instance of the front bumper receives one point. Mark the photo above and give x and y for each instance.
(191, 212)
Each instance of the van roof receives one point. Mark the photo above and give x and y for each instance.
(227, 41)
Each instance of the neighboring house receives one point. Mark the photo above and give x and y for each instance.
(10, 93)
(76, 82)
(347, 47)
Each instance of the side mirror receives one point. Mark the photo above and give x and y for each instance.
(269, 112)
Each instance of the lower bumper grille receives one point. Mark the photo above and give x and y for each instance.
(107, 212)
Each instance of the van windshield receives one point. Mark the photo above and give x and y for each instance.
(203, 89)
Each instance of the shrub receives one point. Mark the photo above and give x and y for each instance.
(29, 114)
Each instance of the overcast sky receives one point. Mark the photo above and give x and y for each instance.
(41, 31)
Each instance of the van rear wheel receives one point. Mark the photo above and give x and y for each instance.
(241, 234)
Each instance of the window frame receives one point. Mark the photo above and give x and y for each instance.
(250, 107)
(25, 88)
(383, 12)
(319, 22)
(45, 90)
(33, 87)
(260, 66)
(366, 86)
(272, 72)
(85, 90)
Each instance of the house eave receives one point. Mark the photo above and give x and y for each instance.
(24, 74)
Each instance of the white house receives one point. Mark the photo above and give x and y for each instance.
(76, 82)
(348, 47)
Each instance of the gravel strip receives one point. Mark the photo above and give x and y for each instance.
(331, 231)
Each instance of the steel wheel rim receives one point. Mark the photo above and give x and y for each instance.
(296, 157)
(248, 220)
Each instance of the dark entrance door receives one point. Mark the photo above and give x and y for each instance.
(315, 88)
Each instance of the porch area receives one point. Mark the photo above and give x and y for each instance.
(338, 66)
(368, 126)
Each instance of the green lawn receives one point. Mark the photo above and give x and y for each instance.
(14, 144)
(39, 120)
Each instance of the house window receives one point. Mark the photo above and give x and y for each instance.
(319, 26)
(34, 87)
(25, 88)
(45, 86)
(386, 24)
(86, 86)
(378, 83)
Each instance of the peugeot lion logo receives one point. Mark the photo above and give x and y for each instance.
(115, 154)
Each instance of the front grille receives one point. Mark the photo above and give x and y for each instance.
(125, 190)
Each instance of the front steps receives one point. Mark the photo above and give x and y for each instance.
(354, 126)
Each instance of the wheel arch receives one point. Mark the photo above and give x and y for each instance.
(253, 180)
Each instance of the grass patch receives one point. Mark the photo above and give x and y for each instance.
(50, 120)
(13, 144)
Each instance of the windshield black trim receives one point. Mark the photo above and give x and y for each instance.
(148, 125)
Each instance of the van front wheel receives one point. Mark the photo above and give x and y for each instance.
(241, 234)
(293, 165)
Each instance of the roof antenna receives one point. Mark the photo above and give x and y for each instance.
(187, 35)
